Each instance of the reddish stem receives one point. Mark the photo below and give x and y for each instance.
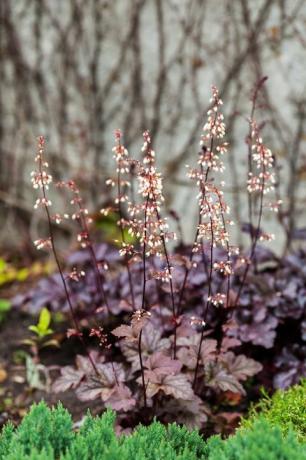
(95, 262)
(246, 271)
(74, 318)
(123, 239)
(143, 306)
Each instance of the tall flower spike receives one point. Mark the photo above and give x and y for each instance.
(147, 225)
(152, 231)
(212, 207)
(123, 163)
(212, 226)
(41, 180)
(263, 181)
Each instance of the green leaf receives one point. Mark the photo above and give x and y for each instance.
(44, 319)
(5, 305)
(51, 343)
(29, 342)
(33, 372)
(2, 265)
(39, 332)
(22, 274)
(42, 327)
(34, 329)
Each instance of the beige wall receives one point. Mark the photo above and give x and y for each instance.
(76, 70)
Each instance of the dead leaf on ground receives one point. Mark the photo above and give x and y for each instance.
(3, 375)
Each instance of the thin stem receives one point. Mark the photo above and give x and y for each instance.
(97, 272)
(144, 281)
(227, 252)
(246, 271)
(187, 268)
(74, 318)
(258, 87)
(250, 169)
(143, 305)
(162, 237)
(198, 358)
(95, 262)
(144, 390)
(123, 239)
(207, 301)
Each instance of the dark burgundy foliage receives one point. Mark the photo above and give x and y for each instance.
(268, 327)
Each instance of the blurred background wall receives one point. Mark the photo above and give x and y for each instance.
(75, 70)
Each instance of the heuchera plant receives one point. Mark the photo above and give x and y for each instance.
(167, 318)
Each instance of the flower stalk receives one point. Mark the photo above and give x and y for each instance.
(41, 179)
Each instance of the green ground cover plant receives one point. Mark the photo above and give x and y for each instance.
(276, 433)
(287, 409)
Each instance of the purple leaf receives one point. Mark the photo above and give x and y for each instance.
(217, 377)
(240, 366)
(89, 390)
(161, 364)
(151, 341)
(176, 386)
(69, 378)
(102, 385)
(191, 413)
(129, 333)
(228, 343)
(121, 399)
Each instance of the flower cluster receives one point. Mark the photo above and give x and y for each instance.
(224, 267)
(80, 214)
(195, 321)
(58, 218)
(263, 181)
(41, 179)
(217, 299)
(140, 315)
(212, 225)
(123, 166)
(101, 336)
(76, 275)
(121, 157)
(213, 129)
(145, 222)
(42, 202)
(43, 243)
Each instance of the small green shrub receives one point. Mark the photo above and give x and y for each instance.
(287, 409)
(158, 441)
(47, 434)
(6, 439)
(96, 440)
(42, 428)
(262, 442)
